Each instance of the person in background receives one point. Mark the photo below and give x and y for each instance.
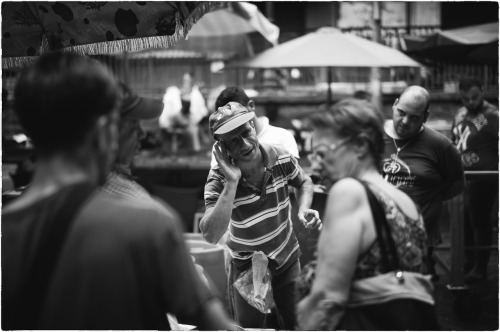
(183, 109)
(75, 257)
(248, 192)
(475, 133)
(266, 133)
(420, 161)
(362, 95)
(347, 146)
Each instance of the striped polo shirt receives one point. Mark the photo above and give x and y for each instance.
(260, 220)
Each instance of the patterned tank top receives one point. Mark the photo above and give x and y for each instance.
(409, 237)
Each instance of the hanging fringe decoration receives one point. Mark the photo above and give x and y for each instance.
(128, 45)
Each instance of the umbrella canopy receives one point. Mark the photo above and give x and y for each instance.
(225, 33)
(328, 47)
(472, 43)
(32, 28)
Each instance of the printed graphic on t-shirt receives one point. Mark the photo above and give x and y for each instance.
(397, 172)
(479, 121)
(469, 158)
(461, 133)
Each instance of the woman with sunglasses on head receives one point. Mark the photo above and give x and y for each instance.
(347, 147)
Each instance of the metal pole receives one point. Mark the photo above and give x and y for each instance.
(376, 85)
(457, 243)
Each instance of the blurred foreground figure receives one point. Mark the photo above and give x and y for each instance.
(76, 258)
(421, 162)
(355, 267)
(248, 192)
(475, 133)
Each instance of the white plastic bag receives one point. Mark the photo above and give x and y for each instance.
(254, 284)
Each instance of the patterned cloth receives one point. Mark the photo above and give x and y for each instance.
(121, 182)
(260, 219)
(409, 237)
(33, 27)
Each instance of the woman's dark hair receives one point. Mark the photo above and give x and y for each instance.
(355, 119)
(60, 98)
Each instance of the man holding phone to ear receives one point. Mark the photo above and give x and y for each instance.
(248, 192)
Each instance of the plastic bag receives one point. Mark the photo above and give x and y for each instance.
(254, 284)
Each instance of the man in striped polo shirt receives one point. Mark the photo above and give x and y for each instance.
(248, 192)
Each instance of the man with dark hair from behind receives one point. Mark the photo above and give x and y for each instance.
(76, 258)
(475, 133)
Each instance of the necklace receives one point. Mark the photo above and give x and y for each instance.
(395, 156)
(399, 149)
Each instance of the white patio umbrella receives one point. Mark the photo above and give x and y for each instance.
(328, 47)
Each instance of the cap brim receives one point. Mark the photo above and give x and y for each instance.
(144, 109)
(234, 123)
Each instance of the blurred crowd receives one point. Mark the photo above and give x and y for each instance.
(86, 245)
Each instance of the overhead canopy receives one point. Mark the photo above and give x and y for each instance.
(476, 43)
(225, 33)
(328, 47)
(32, 28)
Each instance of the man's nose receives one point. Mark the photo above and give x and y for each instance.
(245, 141)
(405, 120)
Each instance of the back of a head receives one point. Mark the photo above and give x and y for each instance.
(354, 118)
(60, 98)
(468, 82)
(232, 94)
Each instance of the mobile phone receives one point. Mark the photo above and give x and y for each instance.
(225, 149)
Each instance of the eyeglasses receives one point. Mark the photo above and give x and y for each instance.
(319, 155)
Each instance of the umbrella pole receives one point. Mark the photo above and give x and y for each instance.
(376, 87)
(328, 89)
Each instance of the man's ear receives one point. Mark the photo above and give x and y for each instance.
(251, 105)
(396, 101)
(107, 134)
(426, 115)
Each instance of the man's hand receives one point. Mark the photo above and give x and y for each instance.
(231, 172)
(310, 219)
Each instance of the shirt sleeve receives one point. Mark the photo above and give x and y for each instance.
(451, 167)
(295, 174)
(492, 127)
(213, 187)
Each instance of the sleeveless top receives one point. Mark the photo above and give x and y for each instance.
(409, 237)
